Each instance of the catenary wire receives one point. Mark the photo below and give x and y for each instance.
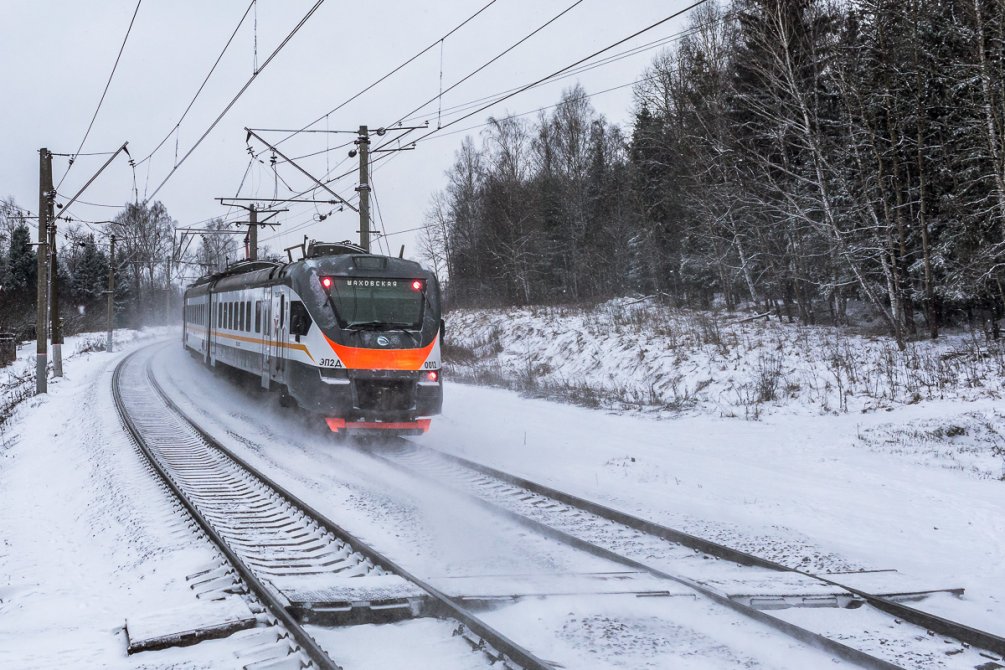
(493, 59)
(391, 72)
(514, 92)
(558, 72)
(663, 41)
(466, 77)
(460, 107)
(244, 88)
(104, 92)
(201, 87)
(546, 78)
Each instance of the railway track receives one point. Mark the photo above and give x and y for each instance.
(720, 572)
(633, 543)
(302, 567)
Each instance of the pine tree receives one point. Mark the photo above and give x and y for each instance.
(20, 271)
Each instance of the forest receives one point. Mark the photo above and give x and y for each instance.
(797, 156)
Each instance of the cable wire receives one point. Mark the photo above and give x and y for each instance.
(105, 92)
(390, 73)
(239, 94)
(490, 61)
(510, 94)
(201, 87)
(556, 73)
(634, 51)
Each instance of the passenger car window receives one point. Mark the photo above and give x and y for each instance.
(300, 319)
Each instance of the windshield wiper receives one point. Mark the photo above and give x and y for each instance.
(367, 325)
(406, 328)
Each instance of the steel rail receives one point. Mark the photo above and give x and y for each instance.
(843, 651)
(274, 605)
(510, 649)
(962, 632)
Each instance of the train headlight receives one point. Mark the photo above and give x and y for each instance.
(433, 375)
(418, 284)
(326, 282)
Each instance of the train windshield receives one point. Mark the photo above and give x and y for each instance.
(377, 302)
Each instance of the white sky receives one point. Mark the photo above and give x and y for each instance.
(51, 87)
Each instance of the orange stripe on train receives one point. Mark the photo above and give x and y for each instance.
(356, 358)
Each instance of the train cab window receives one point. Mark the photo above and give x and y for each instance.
(258, 316)
(300, 319)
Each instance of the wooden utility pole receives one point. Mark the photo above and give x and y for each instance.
(167, 294)
(364, 188)
(252, 254)
(41, 273)
(111, 293)
(45, 211)
(251, 238)
(56, 333)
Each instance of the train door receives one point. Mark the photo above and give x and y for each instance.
(214, 321)
(262, 327)
(278, 324)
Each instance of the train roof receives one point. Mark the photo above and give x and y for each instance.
(342, 258)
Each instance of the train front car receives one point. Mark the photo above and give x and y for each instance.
(377, 321)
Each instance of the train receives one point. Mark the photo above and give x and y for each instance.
(348, 335)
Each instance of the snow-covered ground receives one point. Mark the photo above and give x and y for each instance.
(899, 473)
(635, 354)
(88, 539)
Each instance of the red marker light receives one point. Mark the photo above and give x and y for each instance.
(417, 284)
(433, 375)
(326, 282)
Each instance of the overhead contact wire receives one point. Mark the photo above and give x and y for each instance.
(201, 87)
(105, 92)
(556, 73)
(239, 94)
(491, 61)
(391, 72)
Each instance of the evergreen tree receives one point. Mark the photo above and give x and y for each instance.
(19, 276)
(90, 275)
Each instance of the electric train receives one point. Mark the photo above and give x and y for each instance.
(351, 336)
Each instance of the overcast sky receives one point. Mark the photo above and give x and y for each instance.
(56, 56)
